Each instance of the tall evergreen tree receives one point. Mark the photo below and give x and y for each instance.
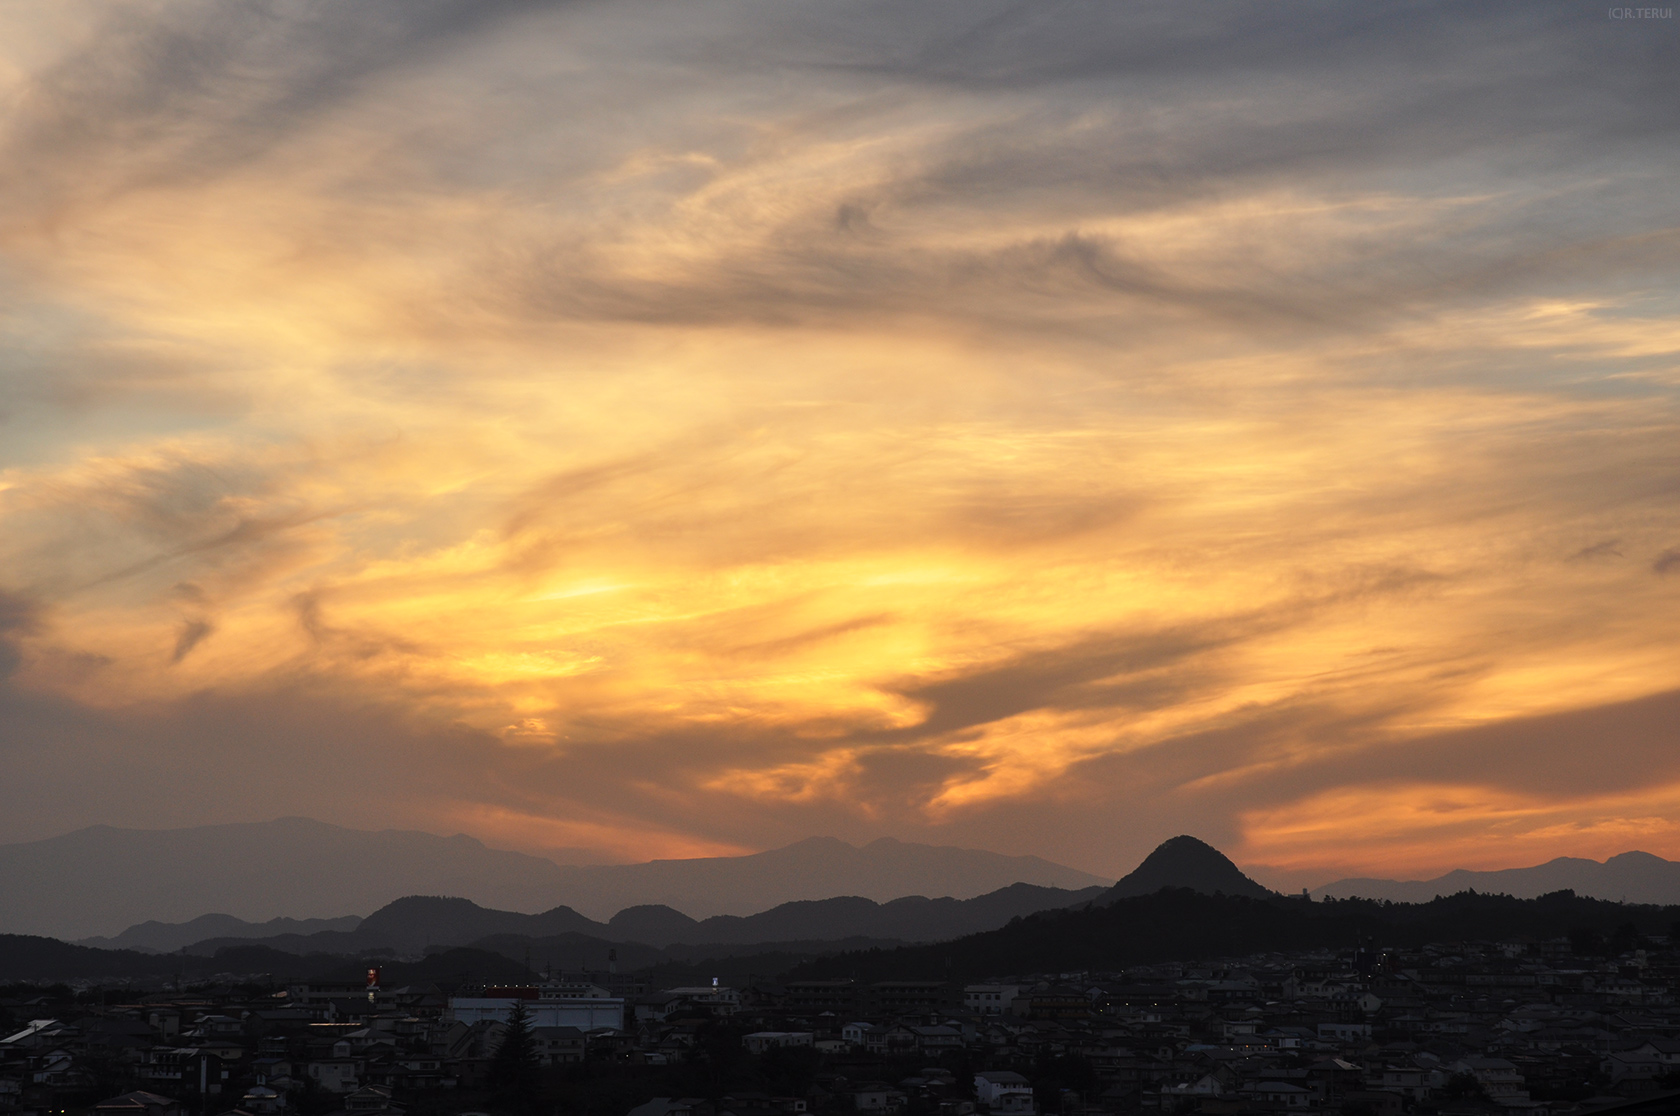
(515, 1075)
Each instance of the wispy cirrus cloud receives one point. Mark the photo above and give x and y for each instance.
(1044, 426)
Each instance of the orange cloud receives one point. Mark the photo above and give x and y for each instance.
(716, 458)
(1416, 830)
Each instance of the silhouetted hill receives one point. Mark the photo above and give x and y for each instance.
(653, 923)
(166, 937)
(1636, 877)
(40, 960)
(1171, 924)
(1184, 925)
(914, 918)
(417, 921)
(325, 944)
(258, 961)
(414, 923)
(102, 879)
(1187, 862)
(32, 958)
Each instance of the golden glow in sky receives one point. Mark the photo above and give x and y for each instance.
(671, 431)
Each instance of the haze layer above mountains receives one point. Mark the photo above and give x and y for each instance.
(1632, 877)
(100, 880)
(296, 879)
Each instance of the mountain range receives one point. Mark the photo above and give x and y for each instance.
(418, 927)
(638, 938)
(1178, 924)
(1633, 877)
(304, 869)
(290, 882)
(416, 923)
(560, 935)
(1185, 900)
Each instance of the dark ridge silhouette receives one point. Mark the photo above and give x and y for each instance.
(654, 923)
(1170, 924)
(1187, 862)
(1178, 924)
(1634, 877)
(914, 918)
(167, 937)
(417, 923)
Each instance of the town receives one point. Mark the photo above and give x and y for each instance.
(1540, 1028)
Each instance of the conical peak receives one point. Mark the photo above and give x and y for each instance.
(1186, 861)
(1187, 844)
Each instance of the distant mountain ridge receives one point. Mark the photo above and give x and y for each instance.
(1188, 900)
(1637, 877)
(813, 869)
(304, 869)
(417, 922)
(167, 937)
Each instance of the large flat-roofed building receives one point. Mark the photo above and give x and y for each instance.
(588, 1007)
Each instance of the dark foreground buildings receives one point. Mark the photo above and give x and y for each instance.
(1526, 1027)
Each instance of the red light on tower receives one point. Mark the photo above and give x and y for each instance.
(372, 982)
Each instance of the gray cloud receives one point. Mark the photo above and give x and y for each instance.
(1558, 755)
(1088, 111)
(19, 616)
(189, 91)
(1605, 549)
(193, 632)
(1105, 672)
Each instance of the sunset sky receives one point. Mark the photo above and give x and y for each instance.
(646, 429)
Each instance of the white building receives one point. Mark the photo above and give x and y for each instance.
(990, 999)
(587, 1007)
(1004, 1092)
